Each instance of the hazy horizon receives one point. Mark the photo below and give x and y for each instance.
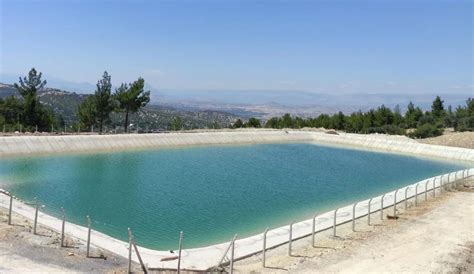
(282, 100)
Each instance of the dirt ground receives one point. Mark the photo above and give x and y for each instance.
(437, 236)
(453, 139)
(21, 251)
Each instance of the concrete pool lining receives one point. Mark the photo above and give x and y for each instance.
(38, 145)
(34, 145)
(205, 258)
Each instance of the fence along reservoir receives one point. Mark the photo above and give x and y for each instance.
(209, 192)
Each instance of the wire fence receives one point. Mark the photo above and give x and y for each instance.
(75, 129)
(397, 199)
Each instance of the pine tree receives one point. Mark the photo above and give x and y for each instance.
(87, 112)
(33, 113)
(103, 100)
(131, 98)
(437, 109)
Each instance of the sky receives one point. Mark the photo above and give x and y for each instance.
(336, 47)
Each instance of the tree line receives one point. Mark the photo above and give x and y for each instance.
(414, 122)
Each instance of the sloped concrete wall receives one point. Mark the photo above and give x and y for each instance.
(33, 145)
(30, 145)
(395, 144)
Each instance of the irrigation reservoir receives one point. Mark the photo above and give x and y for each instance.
(210, 192)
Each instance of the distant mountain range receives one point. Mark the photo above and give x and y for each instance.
(268, 103)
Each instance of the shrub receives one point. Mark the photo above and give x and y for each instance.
(425, 131)
(465, 124)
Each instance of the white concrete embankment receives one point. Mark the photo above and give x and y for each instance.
(206, 257)
(395, 144)
(33, 145)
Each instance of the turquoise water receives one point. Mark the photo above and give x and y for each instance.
(208, 192)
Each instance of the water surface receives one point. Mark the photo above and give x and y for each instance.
(208, 192)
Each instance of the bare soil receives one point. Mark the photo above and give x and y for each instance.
(22, 251)
(436, 236)
(452, 139)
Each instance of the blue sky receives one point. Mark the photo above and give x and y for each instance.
(316, 46)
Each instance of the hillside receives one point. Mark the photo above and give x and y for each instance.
(152, 117)
(452, 139)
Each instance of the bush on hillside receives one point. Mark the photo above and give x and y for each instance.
(425, 131)
(465, 124)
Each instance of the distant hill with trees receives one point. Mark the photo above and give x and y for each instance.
(414, 122)
(65, 109)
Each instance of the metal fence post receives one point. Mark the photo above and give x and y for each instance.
(232, 256)
(63, 226)
(395, 203)
(290, 239)
(416, 194)
(129, 251)
(179, 252)
(88, 234)
(456, 183)
(406, 197)
(450, 186)
(381, 206)
(10, 210)
(441, 184)
(264, 249)
(334, 223)
(224, 256)
(144, 267)
(426, 190)
(36, 215)
(368, 212)
(446, 184)
(313, 232)
(353, 216)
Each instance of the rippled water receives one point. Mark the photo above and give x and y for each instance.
(208, 192)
